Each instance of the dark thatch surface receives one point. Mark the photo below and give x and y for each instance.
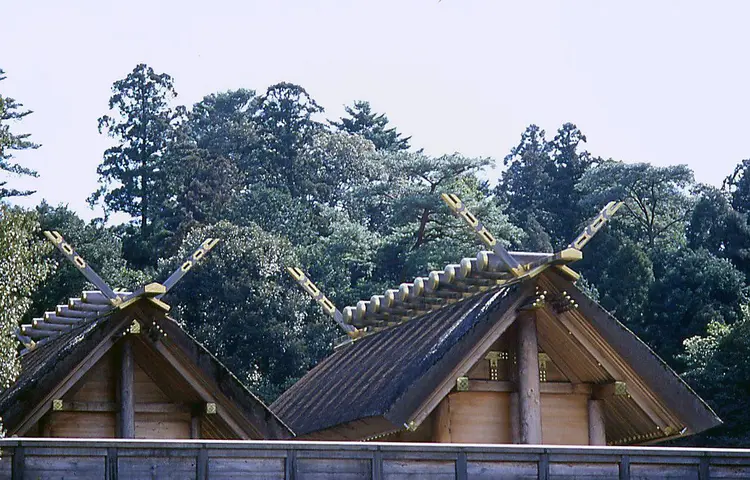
(388, 374)
(49, 363)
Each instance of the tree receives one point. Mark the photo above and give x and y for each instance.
(525, 184)
(285, 122)
(692, 289)
(22, 268)
(623, 275)
(720, 229)
(243, 306)
(419, 232)
(657, 204)
(223, 124)
(331, 167)
(571, 164)
(11, 111)
(372, 126)
(538, 186)
(717, 368)
(738, 186)
(133, 171)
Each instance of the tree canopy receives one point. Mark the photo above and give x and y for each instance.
(352, 203)
(11, 112)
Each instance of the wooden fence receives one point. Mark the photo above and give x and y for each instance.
(177, 459)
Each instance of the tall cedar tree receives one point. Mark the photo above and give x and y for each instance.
(373, 126)
(132, 173)
(285, 125)
(11, 111)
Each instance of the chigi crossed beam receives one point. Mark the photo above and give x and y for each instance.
(151, 290)
(95, 305)
(494, 268)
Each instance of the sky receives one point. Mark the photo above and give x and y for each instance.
(660, 82)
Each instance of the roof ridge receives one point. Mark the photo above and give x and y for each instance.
(91, 305)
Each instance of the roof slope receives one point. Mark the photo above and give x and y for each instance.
(383, 374)
(391, 374)
(50, 359)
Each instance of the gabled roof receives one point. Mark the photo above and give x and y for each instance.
(390, 373)
(393, 379)
(77, 338)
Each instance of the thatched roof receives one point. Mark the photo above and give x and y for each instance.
(389, 380)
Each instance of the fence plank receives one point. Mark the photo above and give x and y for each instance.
(17, 469)
(300, 460)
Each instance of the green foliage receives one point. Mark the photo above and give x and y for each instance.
(22, 268)
(738, 186)
(539, 186)
(133, 173)
(350, 205)
(720, 229)
(420, 233)
(718, 369)
(372, 126)
(100, 246)
(692, 289)
(11, 111)
(223, 124)
(285, 123)
(657, 204)
(244, 307)
(623, 275)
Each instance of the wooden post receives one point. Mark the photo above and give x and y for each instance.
(45, 426)
(441, 429)
(529, 402)
(195, 426)
(18, 464)
(127, 407)
(515, 424)
(597, 435)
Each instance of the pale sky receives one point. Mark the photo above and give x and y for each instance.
(662, 82)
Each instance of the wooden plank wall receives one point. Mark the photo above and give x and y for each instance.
(473, 417)
(565, 419)
(484, 417)
(99, 386)
(121, 459)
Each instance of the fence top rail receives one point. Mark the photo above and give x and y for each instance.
(369, 447)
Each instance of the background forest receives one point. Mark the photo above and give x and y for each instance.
(357, 206)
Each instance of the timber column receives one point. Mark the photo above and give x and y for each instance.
(597, 433)
(127, 407)
(529, 401)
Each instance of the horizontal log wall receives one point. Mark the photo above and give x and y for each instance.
(181, 459)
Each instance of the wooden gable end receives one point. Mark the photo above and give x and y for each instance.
(136, 374)
(588, 392)
(582, 382)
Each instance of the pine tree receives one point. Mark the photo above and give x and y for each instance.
(373, 126)
(11, 111)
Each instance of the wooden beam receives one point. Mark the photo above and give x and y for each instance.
(609, 367)
(127, 391)
(606, 390)
(147, 291)
(199, 388)
(597, 433)
(544, 387)
(114, 407)
(529, 401)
